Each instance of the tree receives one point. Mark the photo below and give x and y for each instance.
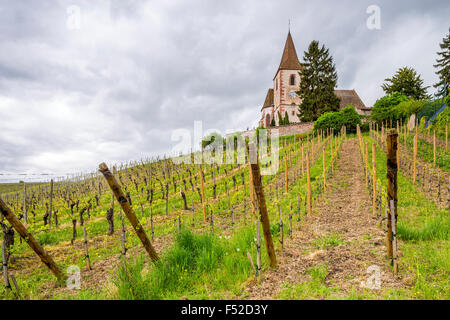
(383, 108)
(443, 62)
(406, 108)
(286, 119)
(272, 123)
(408, 82)
(335, 120)
(319, 80)
(280, 119)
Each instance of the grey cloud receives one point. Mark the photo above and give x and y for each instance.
(136, 70)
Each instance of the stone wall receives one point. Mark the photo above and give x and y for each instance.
(296, 128)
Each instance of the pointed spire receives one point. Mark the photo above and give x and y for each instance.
(289, 60)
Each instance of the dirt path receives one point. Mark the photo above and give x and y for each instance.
(341, 238)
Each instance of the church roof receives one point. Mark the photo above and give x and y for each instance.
(350, 97)
(289, 60)
(269, 99)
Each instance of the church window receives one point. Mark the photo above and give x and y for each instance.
(292, 80)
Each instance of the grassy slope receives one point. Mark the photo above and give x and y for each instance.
(423, 232)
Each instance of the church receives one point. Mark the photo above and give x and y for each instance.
(283, 98)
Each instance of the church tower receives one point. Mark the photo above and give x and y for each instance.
(287, 82)
(282, 98)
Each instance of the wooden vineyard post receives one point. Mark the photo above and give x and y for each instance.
(415, 157)
(126, 207)
(202, 186)
(37, 248)
(391, 146)
(374, 180)
(394, 236)
(264, 217)
(308, 179)
(51, 205)
(366, 163)
(25, 202)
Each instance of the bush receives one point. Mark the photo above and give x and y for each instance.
(383, 108)
(335, 120)
(365, 127)
(405, 109)
(350, 118)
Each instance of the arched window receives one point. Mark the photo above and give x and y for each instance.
(267, 120)
(292, 82)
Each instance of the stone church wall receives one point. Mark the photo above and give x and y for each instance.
(296, 128)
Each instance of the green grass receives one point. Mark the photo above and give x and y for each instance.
(423, 233)
(315, 288)
(196, 266)
(433, 228)
(328, 241)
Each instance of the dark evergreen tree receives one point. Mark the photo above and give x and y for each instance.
(280, 119)
(319, 80)
(406, 81)
(286, 119)
(272, 123)
(443, 62)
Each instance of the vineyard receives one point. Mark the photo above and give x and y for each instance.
(341, 209)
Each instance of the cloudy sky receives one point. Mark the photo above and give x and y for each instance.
(83, 82)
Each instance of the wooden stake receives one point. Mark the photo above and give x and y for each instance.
(37, 248)
(366, 158)
(115, 187)
(394, 236)
(264, 217)
(391, 145)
